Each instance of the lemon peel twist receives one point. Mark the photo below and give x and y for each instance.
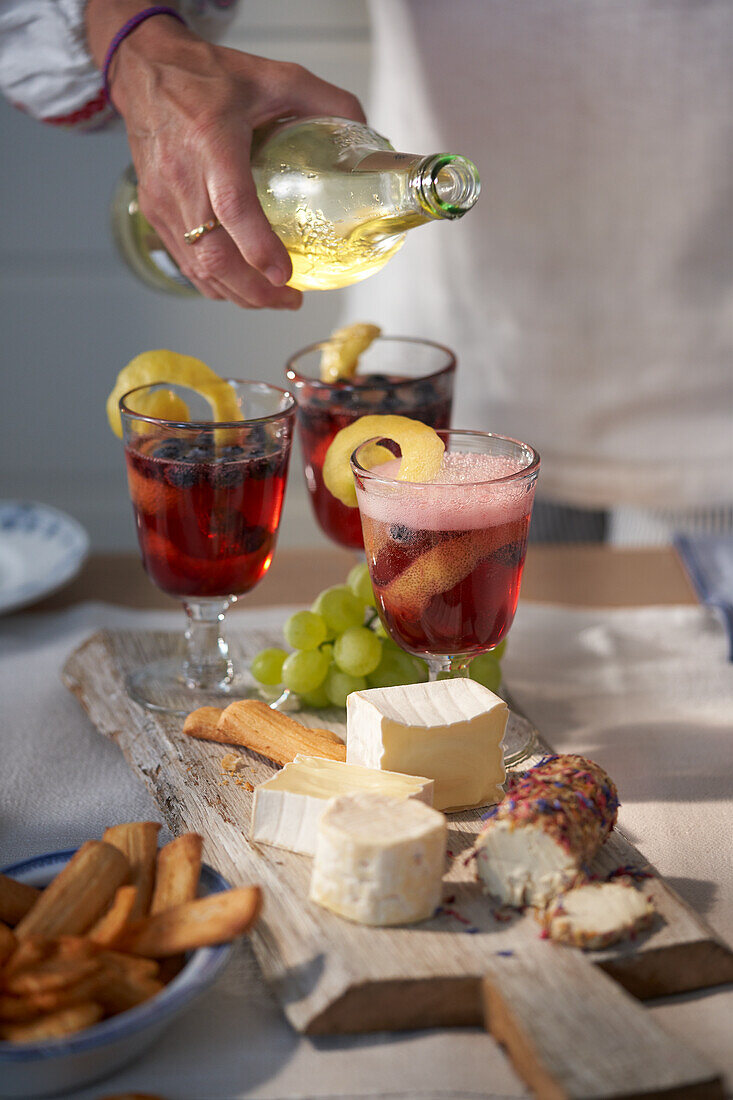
(153, 367)
(340, 353)
(421, 446)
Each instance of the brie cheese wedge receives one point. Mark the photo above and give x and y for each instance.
(287, 807)
(449, 730)
(379, 860)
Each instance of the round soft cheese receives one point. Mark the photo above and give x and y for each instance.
(379, 860)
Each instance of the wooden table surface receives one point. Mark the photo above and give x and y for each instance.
(578, 575)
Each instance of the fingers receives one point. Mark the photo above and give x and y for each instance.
(176, 250)
(214, 264)
(217, 261)
(234, 200)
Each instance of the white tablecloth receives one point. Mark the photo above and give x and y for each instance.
(647, 692)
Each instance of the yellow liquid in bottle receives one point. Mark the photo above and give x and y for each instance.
(326, 256)
(332, 243)
(322, 260)
(339, 226)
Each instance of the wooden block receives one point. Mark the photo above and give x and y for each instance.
(332, 976)
(573, 1034)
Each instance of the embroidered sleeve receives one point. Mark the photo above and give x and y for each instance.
(46, 69)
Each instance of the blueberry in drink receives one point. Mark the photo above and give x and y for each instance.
(207, 515)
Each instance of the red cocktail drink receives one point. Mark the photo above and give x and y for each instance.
(207, 497)
(206, 518)
(396, 375)
(451, 591)
(446, 558)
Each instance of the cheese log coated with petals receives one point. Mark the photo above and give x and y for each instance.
(449, 730)
(546, 830)
(287, 807)
(379, 860)
(598, 914)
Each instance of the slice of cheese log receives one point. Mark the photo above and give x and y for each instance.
(547, 828)
(597, 914)
(287, 807)
(379, 860)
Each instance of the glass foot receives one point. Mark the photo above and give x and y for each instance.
(520, 737)
(163, 687)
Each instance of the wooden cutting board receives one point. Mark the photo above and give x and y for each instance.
(471, 964)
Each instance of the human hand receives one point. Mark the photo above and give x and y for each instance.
(190, 109)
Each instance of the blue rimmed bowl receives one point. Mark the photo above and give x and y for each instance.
(61, 1065)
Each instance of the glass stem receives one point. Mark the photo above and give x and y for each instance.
(456, 666)
(206, 663)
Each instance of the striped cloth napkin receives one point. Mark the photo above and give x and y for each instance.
(708, 560)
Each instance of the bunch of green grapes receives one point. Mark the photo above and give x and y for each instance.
(340, 646)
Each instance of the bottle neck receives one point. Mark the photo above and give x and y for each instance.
(446, 185)
(442, 185)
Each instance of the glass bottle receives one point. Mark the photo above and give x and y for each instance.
(336, 193)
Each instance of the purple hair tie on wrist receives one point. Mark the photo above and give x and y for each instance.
(127, 28)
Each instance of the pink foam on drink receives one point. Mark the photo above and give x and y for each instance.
(466, 494)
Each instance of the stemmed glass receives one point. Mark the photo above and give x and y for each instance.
(207, 498)
(446, 557)
(398, 375)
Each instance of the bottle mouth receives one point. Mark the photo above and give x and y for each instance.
(448, 184)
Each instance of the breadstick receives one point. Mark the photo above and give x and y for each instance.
(51, 975)
(278, 737)
(16, 898)
(131, 966)
(79, 894)
(53, 1000)
(28, 954)
(138, 842)
(200, 923)
(120, 913)
(17, 1010)
(120, 991)
(177, 872)
(202, 723)
(64, 1022)
(8, 943)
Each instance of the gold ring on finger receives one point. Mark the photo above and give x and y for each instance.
(200, 231)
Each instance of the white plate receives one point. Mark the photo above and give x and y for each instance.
(41, 549)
